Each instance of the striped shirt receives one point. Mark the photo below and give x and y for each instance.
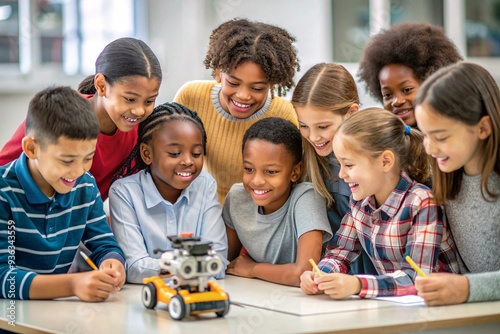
(410, 223)
(40, 235)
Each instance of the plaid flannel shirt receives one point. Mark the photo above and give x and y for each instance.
(410, 223)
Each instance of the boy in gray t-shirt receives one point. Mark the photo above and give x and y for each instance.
(274, 225)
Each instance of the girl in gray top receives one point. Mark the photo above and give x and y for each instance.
(458, 110)
(279, 224)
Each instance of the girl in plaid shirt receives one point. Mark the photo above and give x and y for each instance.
(392, 214)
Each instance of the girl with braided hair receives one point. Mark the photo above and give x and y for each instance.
(249, 61)
(165, 191)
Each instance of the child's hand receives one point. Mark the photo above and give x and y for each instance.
(241, 266)
(93, 286)
(339, 286)
(443, 289)
(308, 284)
(119, 274)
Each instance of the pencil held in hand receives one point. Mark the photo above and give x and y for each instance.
(315, 267)
(88, 260)
(414, 266)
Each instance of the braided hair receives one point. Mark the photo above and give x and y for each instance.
(239, 41)
(161, 114)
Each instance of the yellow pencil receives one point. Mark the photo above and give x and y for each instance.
(414, 266)
(88, 260)
(315, 267)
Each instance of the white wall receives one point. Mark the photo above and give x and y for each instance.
(13, 111)
(179, 32)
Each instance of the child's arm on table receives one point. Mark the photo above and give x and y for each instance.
(308, 283)
(309, 246)
(447, 289)
(423, 242)
(91, 286)
(338, 285)
(116, 265)
(337, 260)
(443, 289)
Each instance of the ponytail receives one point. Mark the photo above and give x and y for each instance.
(87, 86)
(416, 162)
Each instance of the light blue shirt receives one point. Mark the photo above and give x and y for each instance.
(141, 220)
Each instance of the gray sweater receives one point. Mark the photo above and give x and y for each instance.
(475, 224)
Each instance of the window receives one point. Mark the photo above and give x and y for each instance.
(60, 34)
(351, 29)
(428, 11)
(482, 28)
(9, 32)
(355, 21)
(49, 23)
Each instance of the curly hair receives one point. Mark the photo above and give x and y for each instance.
(422, 47)
(239, 40)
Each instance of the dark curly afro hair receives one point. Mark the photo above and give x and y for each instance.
(239, 40)
(422, 47)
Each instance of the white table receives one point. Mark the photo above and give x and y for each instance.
(124, 313)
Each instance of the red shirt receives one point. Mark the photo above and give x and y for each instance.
(111, 152)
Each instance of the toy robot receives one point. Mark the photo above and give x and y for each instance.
(189, 289)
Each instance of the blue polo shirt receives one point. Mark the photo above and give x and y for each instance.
(40, 235)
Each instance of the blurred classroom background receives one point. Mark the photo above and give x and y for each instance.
(47, 42)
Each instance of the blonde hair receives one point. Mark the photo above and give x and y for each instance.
(374, 130)
(465, 92)
(332, 88)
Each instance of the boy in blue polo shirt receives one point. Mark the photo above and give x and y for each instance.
(49, 204)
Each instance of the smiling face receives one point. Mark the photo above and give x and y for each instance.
(175, 157)
(125, 103)
(366, 176)
(318, 126)
(399, 86)
(244, 90)
(56, 167)
(268, 173)
(452, 143)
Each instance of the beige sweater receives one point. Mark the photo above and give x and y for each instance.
(224, 132)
